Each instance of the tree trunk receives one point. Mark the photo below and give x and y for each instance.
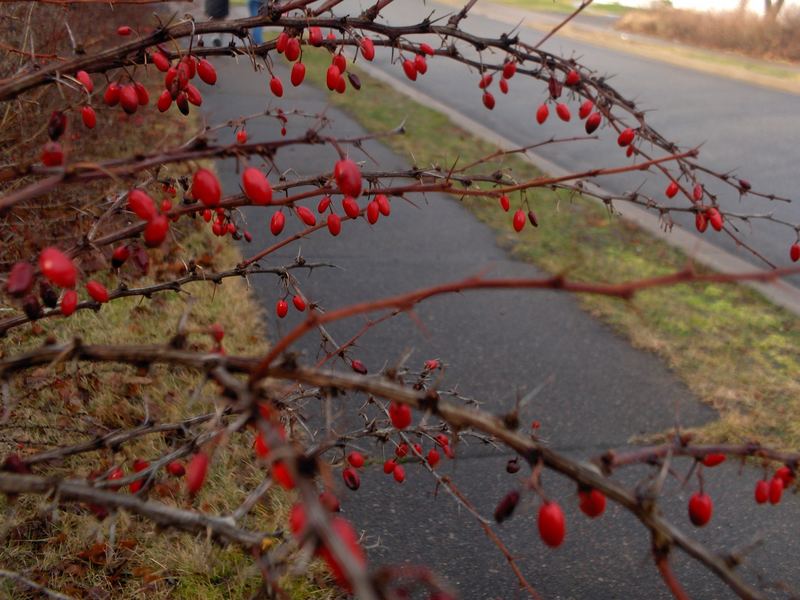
(772, 8)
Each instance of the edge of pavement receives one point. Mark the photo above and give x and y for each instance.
(697, 249)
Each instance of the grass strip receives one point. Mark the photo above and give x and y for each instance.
(735, 350)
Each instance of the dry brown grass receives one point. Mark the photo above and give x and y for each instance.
(734, 31)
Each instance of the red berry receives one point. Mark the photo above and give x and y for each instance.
(306, 216)
(542, 113)
(282, 308)
(672, 189)
(332, 77)
(124, 30)
(164, 101)
(776, 486)
(323, 204)
(358, 367)
(256, 186)
(119, 256)
(383, 205)
(160, 61)
(89, 117)
(626, 137)
(417, 449)
(573, 78)
(504, 86)
(562, 110)
(277, 222)
(505, 508)
(52, 155)
(592, 502)
(86, 80)
(586, 108)
(373, 212)
(116, 474)
(389, 465)
(762, 491)
(697, 192)
(519, 220)
(433, 457)
(281, 474)
(69, 302)
(420, 64)
(141, 204)
(351, 478)
(593, 122)
(410, 69)
(111, 95)
(348, 177)
(20, 279)
(142, 95)
(334, 224)
(505, 203)
(700, 222)
(399, 473)
(340, 61)
(367, 48)
(442, 440)
(206, 188)
(400, 414)
(342, 528)
(282, 41)
(176, 469)
(350, 207)
(292, 49)
(794, 252)
(786, 474)
(155, 232)
(714, 459)
(196, 472)
(97, 291)
(299, 303)
(128, 99)
(298, 74)
(276, 86)
(715, 218)
(241, 136)
(193, 95)
(488, 100)
(509, 69)
(700, 509)
(485, 81)
(356, 459)
(401, 450)
(57, 267)
(329, 501)
(315, 36)
(551, 524)
(427, 49)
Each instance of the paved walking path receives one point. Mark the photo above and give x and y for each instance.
(602, 391)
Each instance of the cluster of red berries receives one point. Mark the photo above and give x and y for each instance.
(282, 306)
(418, 65)
(485, 82)
(177, 80)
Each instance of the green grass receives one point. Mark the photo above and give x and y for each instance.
(735, 350)
(72, 404)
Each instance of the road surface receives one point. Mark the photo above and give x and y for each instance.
(741, 128)
(599, 391)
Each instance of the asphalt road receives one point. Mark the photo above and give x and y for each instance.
(600, 392)
(743, 128)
